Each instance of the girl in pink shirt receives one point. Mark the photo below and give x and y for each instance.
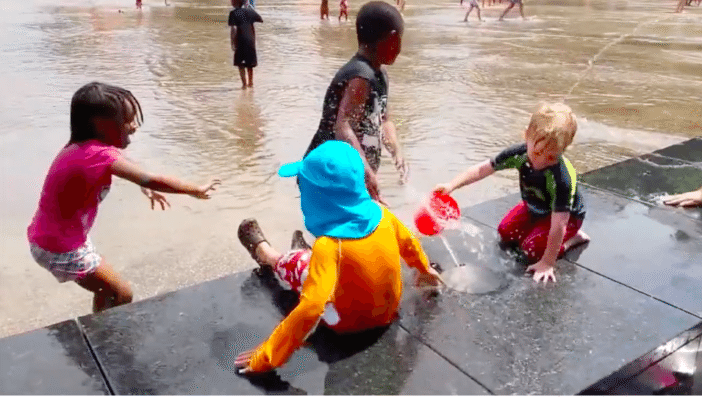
(102, 119)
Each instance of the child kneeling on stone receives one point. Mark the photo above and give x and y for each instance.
(547, 221)
(351, 279)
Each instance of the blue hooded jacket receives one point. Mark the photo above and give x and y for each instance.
(333, 195)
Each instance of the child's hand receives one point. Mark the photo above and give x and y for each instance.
(204, 190)
(243, 360)
(403, 167)
(429, 280)
(443, 188)
(689, 199)
(542, 271)
(156, 197)
(372, 185)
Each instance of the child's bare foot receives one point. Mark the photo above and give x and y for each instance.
(579, 239)
(251, 84)
(244, 86)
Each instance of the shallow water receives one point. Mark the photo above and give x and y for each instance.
(459, 92)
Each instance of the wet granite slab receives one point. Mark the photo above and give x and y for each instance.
(679, 373)
(672, 368)
(672, 170)
(649, 248)
(51, 360)
(690, 150)
(185, 342)
(525, 338)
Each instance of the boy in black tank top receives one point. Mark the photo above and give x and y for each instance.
(355, 105)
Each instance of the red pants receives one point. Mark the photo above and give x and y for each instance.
(292, 268)
(532, 234)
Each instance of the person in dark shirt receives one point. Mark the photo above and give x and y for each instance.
(355, 104)
(243, 39)
(547, 221)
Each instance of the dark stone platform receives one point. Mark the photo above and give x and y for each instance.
(50, 360)
(623, 318)
(523, 338)
(185, 342)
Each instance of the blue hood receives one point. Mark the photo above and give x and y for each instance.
(333, 195)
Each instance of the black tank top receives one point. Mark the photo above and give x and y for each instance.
(368, 129)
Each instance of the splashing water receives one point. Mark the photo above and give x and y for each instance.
(448, 248)
(591, 61)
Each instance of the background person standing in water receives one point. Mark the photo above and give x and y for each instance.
(102, 119)
(473, 4)
(243, 40)
(511, 5)
(344, 9)
(324, 10)
(355, 104)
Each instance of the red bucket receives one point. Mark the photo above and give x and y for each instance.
(431, 216)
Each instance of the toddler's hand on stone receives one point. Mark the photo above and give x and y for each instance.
(689, 199)
(542, 271)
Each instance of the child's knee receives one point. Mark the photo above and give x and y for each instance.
(506, 232)
(126, 295)
(533, 251)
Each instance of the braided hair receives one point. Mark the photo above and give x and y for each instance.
(99, 100)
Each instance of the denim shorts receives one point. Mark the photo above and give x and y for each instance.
(68, 266)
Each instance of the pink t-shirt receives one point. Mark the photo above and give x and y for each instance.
(78, 179)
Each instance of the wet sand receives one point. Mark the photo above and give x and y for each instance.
(459, 92)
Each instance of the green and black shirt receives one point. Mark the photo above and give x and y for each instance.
(553, 189)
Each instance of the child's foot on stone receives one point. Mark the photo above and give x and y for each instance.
(251, 236)
(579, 239)
(298, 241)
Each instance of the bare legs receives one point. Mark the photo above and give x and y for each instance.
(509, 7)
(681, 6)
(109, 288)
(242, 73)
(266, 255)
(471, 9)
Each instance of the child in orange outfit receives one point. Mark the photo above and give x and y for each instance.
(351, 279)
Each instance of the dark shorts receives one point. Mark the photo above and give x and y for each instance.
(516, 1)
(245, 56)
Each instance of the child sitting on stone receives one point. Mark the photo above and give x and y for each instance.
(351, 279)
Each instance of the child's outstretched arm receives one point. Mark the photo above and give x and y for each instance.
(413, 254)
(166, 184)
(473, 174)
(350, 111)
(544, 268)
